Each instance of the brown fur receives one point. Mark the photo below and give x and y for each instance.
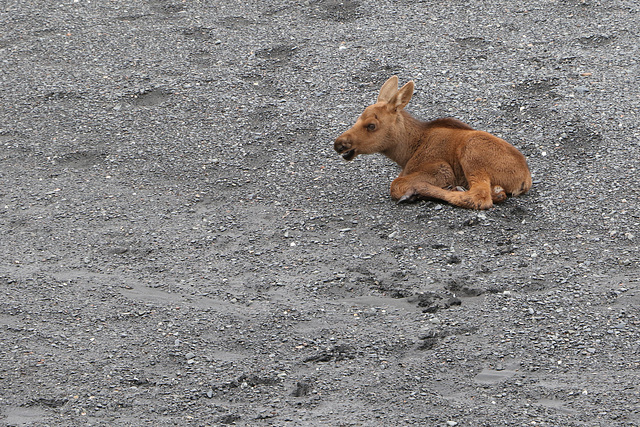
(436, 157)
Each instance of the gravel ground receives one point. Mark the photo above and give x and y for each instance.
(180, 244)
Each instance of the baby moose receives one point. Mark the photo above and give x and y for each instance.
(436, 157)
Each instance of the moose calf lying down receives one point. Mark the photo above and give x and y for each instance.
(436, 157)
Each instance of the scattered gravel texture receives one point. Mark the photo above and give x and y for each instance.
(180, 245)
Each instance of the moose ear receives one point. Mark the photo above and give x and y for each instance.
(388, 89)
(401, 98)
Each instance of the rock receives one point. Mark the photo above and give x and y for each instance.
(454, 259)
(302, 389)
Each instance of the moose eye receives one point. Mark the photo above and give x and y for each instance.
(371, 127)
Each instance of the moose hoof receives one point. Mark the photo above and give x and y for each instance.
(408, 197)
(498, 194)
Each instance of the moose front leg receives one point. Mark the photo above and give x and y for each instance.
(479, 196)
(413, 187)
(432, 177)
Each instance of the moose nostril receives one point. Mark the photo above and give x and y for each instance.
(341, 145)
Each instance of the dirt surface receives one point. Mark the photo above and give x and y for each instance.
(180, 245)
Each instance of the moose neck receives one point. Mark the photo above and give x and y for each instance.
(404, 139)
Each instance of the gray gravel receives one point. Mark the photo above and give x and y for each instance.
(180, 245)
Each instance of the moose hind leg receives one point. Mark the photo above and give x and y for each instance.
(480, 195)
